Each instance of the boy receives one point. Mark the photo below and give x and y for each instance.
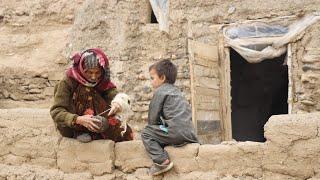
(169, 117)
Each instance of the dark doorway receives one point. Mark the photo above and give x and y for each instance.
(258, 91)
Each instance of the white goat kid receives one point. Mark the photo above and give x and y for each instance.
(124, 101)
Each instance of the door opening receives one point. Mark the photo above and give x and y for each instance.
(258, 91)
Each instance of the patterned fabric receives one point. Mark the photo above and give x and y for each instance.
(87, 101)
(77, 70)
(90, 60)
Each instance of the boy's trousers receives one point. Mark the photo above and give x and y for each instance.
(155, 139)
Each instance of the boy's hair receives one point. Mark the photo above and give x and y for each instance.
(167, 68)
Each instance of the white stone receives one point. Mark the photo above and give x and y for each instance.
(131, 155)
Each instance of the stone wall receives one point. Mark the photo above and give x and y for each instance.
(31, 148)
(306, 72)
(29, 87)
(133, 44)
(123, 30)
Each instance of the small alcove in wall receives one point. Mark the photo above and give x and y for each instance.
(151, 17)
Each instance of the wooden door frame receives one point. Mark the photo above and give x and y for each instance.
(225, 89)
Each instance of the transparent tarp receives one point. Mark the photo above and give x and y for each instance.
(161, 11)
(259, 41)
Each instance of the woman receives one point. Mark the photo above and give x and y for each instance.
(84, 93)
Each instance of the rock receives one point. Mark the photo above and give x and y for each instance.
(14, 97)
(30, 97)
(287, 139)
(35, 91)
(142, 77)
(239, 159)
(48, 91)
(147, 89)
(5, 93)
(184, 158)
(61, 61)
(36, 146)
(74, 156)
(106, 177)
(309, 78)
(100, 168)
(308, 103)
(310, 58)
(13, 160)
(29, 172)
(144, 116)
(141, 173)
(44, 162)
(131, 155)
(277, 176)
(279, 131)
(231, 10)
(24, 88)
(76, 176)
(55, 76)
(44, 75)
(140, 108)
(199, 175)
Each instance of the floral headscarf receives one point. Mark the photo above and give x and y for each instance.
(77, 70)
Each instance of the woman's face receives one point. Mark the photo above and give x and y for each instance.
(93, 74)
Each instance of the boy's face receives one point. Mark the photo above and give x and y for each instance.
(156, 81)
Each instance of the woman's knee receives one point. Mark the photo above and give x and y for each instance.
(66, 131)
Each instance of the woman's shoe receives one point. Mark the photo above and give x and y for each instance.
(85, 137)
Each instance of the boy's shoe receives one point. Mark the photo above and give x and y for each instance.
(157, 169)
(85, 137)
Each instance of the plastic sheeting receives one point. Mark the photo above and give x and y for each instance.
(259, 41)
(161, 11)
(256, 30)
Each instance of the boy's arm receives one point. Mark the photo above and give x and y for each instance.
(155, 109)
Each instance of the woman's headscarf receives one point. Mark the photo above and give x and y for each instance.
(77, 70)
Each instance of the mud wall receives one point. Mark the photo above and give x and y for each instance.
(30, 147)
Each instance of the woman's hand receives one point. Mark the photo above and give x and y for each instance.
(88, 122)
(115, 107)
